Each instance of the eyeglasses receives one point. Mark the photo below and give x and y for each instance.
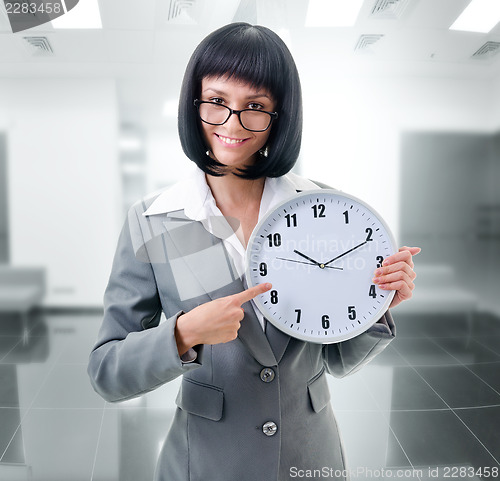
(217, 114)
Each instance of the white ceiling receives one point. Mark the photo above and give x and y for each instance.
(145, 51)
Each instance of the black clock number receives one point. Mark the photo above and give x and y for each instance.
(299, 313)
(291, 220)
(325, 321)
(379, 259)
(274, 239)
(372, 292)
(346, 217)
(263, 269)
(369, 232)
(319, 210)
(352, 312)
(274, 297)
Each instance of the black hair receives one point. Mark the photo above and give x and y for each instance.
(256, 55)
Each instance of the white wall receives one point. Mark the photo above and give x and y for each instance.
(63, 182)
(166, 162)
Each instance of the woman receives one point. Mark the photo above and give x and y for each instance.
(253, 405)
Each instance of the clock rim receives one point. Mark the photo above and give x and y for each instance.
(304, 337)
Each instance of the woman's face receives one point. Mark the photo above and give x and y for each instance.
(230, 143)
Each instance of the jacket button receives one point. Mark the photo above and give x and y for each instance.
(267, 374)
(270, 428)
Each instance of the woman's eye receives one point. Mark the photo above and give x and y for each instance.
(217, 100)
(255, 106)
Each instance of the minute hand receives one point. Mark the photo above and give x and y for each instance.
(345, 253)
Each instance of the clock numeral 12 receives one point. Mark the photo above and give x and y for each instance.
(325, 321)
(291, 220)
(319, 210)
(274, 240)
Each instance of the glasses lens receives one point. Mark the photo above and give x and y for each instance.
(255, 120)
(213, 113)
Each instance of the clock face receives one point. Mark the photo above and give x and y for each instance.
(319, 249)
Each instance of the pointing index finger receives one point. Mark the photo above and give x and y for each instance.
(251, 292)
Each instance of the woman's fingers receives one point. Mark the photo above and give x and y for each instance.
(412, 250)
(401, 266)
(250, 293)
(390, 281)
(401, 256)
(397, 274)
(219, 320)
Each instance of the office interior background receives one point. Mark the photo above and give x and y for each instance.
(402, 109)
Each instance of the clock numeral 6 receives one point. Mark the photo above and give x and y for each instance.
(379, 260)
(325, 321)
(274, 239)
(319, 210)
(352, 312)
(274, 297)
(263, 269)
(372, 292)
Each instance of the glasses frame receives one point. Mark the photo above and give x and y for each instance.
(272, 115)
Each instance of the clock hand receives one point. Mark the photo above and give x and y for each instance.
(308, 263)
(345, 253)
(308, 258)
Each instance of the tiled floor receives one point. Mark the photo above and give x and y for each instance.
(427, 408)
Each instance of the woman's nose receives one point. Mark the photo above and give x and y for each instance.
(233, 122)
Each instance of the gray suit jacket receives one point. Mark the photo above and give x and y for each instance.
(170, 263)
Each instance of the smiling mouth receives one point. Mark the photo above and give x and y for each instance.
(230, 141)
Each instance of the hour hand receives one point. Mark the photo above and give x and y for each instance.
(316, 263)
(308, 258)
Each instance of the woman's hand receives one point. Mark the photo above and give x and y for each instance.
(215, 321)
(397, 274)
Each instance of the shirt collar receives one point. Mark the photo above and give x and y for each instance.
(193, 195)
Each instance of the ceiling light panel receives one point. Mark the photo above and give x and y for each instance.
(85, 14)
(479, 16)
(332, 13)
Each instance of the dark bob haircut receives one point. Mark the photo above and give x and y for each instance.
(256, 55)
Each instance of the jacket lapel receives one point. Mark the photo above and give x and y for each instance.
(254, 339)
(278, 340)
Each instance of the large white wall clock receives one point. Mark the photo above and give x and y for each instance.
(319, 249)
